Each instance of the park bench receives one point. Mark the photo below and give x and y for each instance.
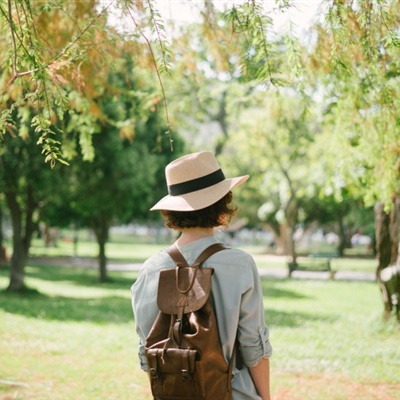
(315, 262)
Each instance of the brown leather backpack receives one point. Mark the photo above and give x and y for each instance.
(183, 349)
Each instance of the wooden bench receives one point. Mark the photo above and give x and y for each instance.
(315, 262)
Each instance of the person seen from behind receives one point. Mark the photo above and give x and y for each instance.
(199, 201)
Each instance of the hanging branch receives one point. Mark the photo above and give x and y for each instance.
(158, 27)
(296, 62)
(16, 73)
(248, 18)
(14, 44)
(167, 132)
(26, 33)
(264, 44)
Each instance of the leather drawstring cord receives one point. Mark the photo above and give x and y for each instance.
(184, 291)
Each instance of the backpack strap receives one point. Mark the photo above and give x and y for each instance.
(208, 252)
(177, 256)
(180, 261)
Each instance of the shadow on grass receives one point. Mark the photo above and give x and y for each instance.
(114, 309)
(80, 276)
(294, 319)
(274, 289)
(102, 310)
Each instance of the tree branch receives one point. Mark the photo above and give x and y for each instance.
(14, 44)
(158, 76)
(17, 74)
(157, 29)
(264, 41)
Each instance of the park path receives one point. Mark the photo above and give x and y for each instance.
(265, 272)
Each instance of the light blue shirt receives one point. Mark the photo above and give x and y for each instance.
(238, 302)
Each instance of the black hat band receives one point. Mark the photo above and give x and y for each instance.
(196, 184)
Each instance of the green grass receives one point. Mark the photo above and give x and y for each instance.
(337, 264)
(73, 338)
(69, 338)
(329, 326)
(122, 251)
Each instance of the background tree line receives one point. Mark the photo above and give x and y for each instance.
(316, 125)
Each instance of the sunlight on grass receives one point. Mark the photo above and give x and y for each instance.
(89, 248)
(331, 327)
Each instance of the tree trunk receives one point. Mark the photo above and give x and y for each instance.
(18, 257)
(221, 118)
(2, 255)
(22, 236)
(101, 229)
(383, 238)
(102, 262)
(395, 230)
(75, 241)
(341, 233)
(387, 247)
(291, 213)
(393, 281)
(279, 233)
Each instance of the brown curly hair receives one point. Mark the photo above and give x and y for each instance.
(218, 214)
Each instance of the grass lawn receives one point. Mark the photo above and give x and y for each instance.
(74, 339)
(122, 251)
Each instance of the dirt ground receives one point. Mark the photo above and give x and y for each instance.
(332, 387)
(299, 387)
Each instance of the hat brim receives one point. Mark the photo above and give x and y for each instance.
(199, 199)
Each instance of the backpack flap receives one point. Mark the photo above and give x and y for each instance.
(172, 374)
(183, 288)
(171, 360)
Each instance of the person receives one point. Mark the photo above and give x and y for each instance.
(199, 201)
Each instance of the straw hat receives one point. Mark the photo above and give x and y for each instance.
(195, 181)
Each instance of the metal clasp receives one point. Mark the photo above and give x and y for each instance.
(186, 376)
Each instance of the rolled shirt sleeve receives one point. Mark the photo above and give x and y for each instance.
(142, 357)
(253, 334)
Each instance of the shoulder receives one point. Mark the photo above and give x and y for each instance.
(235, 258)
(158, 261)
(234, 269)
(235, 255)
(154, 264)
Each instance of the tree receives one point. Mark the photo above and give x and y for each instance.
(49, 49)
(34, 113)
(25, 182)
(274, 141)
(360, 93)
(118, 184)
(63, 98)
(114, 187)
(345, 217)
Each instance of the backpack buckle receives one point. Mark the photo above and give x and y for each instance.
(154, 374)
(186, 376)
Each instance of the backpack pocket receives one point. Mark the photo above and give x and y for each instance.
(173, 374)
